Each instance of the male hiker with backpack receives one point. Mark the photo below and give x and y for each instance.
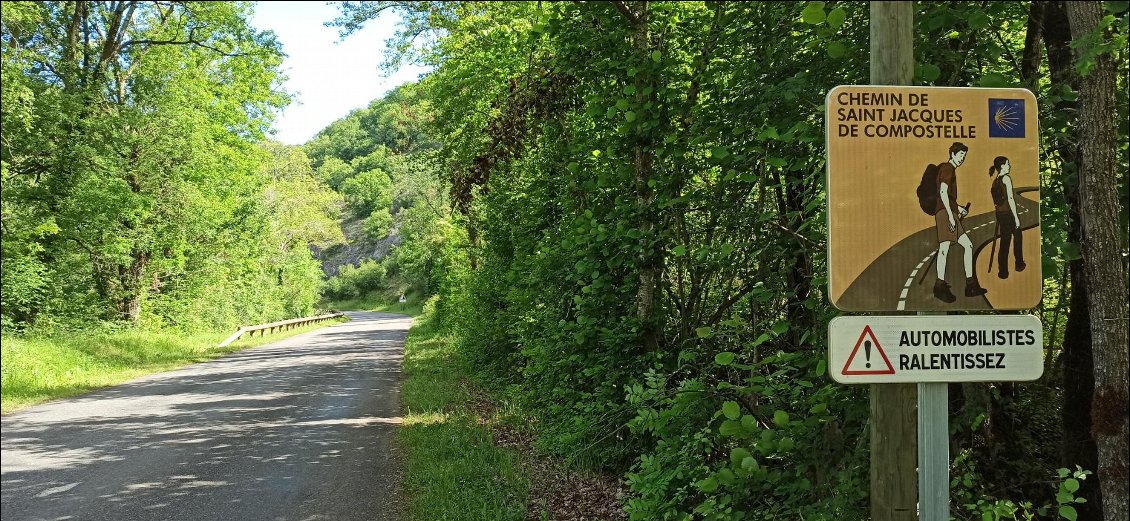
(947, 217)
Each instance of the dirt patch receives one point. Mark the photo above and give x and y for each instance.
(556, 492)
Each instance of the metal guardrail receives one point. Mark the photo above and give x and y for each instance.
(281, 325)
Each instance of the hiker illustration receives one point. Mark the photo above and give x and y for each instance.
(1008, 220)
(948, 217)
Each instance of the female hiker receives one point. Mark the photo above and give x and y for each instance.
(1008, 221)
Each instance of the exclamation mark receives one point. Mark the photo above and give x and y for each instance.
(867, 352)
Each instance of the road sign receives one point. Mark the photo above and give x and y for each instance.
(950, 348)
(933, 199)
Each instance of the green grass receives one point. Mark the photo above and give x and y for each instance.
(37, 369)
(454, 471)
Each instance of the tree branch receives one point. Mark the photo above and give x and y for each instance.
(633, 19)
(189, 41)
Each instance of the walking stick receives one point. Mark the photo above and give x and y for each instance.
(993, 251)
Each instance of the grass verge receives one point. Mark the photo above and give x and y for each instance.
(454, 470)
(414, 307)
(37, 369)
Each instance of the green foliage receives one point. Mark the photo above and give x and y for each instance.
(978, 503)
(378, 224)
(368, 191)
(144, 190)
(591, 146)
(353, 282)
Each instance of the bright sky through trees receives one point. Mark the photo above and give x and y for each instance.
(329, 78)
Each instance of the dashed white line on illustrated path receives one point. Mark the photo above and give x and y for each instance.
(910, 280)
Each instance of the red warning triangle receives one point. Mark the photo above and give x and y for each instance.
(868, 363)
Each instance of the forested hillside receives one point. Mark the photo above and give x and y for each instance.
(614, 210)
(383, 160)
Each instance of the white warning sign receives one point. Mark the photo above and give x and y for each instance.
(945, 348)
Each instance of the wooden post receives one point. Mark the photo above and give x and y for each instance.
(894, 430)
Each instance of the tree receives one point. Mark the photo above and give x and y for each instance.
(1102, 248)
(145, 115)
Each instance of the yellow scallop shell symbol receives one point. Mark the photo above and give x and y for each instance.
(1006, 118)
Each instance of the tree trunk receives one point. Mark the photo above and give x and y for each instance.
(1030, 62)
(131, 287)
(1106, 276)
(1078, 446)
(650, 262)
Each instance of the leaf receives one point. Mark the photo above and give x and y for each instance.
(813, 13)
(629, 90)
(738, 455)
(979, 20)
(629, 116)
(1068, 512)
(936, 22)
(622, 104)
(704, 332)
(730, 428)
(929, 72)
(781, 418)
(708, 485)
(1071, 251)
(750, 464)
(1071, 485)
(724, 358)
(994, 80)
(679, 250)
(836, 49)
(836, 17)
(821, 367)
(656, 56)
(780, 327)
(719, 152)
(732, 410)
(818, 408)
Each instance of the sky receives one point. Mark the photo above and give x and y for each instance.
(327, 79)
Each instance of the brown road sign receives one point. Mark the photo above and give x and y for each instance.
(933, 199)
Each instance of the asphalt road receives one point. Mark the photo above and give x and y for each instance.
(903, 277)
(297, 430)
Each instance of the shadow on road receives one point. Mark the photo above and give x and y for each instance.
(300, 429)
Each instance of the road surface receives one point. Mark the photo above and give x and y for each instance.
(296, 430)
